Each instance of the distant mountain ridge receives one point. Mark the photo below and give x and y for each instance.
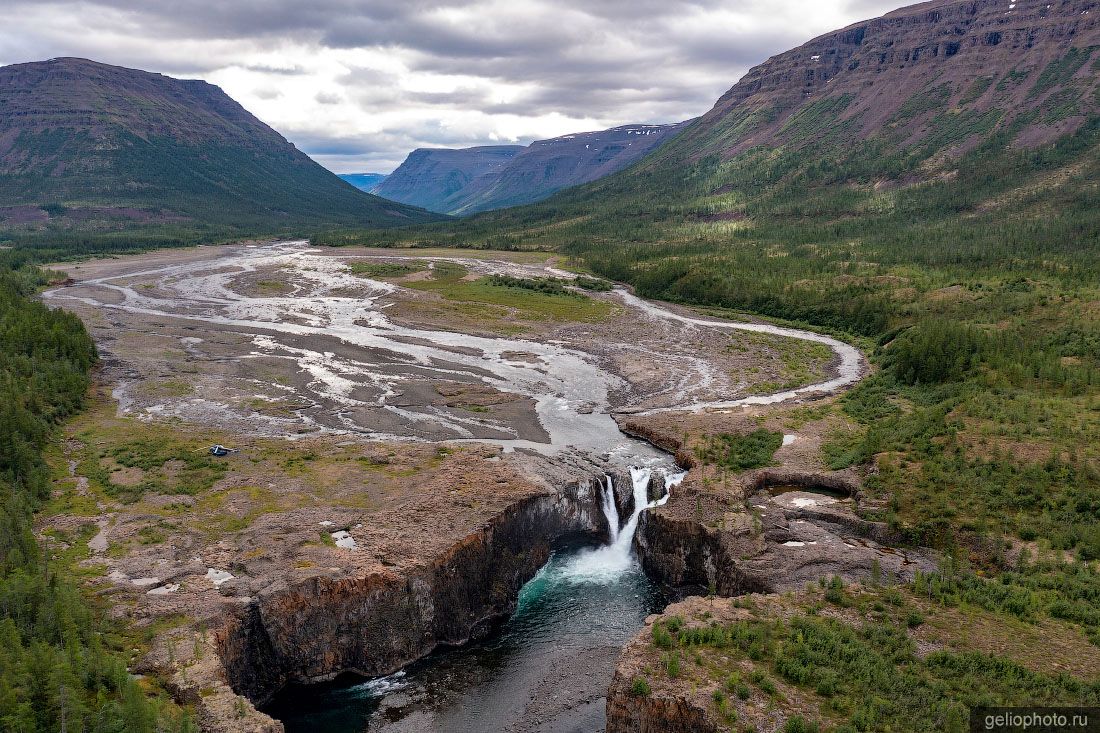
(444, 180)
(87, 146)
(430, 177)
(364, 181)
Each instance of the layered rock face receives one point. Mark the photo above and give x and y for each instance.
(377, 623)
(743, 539)
(690, 555)
(628, 713)
(934, 80)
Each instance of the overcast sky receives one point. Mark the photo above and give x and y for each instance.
(357, 84)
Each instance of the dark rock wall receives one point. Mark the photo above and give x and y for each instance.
(688, 556)
(378, 623)
(627, 713)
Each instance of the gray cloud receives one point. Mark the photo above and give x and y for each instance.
(279, 70)
(359, 83)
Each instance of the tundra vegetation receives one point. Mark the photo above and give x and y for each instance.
(860, 658)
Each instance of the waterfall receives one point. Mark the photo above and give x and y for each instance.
(608, 562)
(640, 478)
(671, 479)
(610, 511)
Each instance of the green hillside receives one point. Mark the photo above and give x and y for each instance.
(96, 150)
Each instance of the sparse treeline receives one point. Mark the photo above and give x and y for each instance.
(61, 665)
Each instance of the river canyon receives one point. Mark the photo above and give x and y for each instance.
(472, 552)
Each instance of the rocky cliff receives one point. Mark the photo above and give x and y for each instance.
(631, 713)
(377, 623)
(769, 531)
(934, 79)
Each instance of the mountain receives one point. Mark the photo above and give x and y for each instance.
(547, 166)
(364, 181)
(945, 133)
(920, 86)
(442, 180)
(926, 183)
(863, 116)
(429, 177)
(86, 146)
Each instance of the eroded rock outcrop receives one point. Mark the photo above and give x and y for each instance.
(379, 622)
(636, 714)
(696, 542)
(740, 538)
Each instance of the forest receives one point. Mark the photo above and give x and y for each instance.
(63, 666)
(853, 655)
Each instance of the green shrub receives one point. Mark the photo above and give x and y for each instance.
(741, 452)
(544, 285)
(661, 636)
(384, 269)
(672, 664)
(592, 283)
(935, 351)
(798, 724)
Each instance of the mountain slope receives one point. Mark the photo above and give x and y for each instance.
(925, 84)
(87, 146)
(429, 177)
(364, 181)
(469, 180)
(945, 133)
(960, 99)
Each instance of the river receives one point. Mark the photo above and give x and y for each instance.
(353, 370)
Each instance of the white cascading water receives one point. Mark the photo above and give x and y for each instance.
(611, 560)
(610, 511)
(639, 477)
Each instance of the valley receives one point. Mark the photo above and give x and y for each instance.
(381, 433)
(303, 345)
(784, 419)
